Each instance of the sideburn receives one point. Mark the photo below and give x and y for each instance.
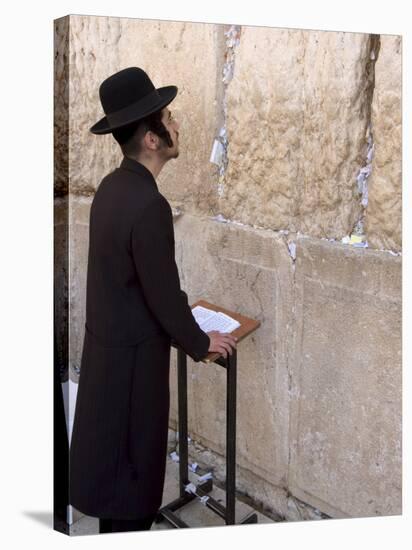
(165, 135)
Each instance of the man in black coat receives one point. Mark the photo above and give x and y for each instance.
(134, 307)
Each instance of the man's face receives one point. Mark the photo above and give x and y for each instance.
(172, 125)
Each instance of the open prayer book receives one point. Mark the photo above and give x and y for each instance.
(209, 320)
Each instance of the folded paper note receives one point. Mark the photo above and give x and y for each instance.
(191, 488)
(205, 476)
(209, 320)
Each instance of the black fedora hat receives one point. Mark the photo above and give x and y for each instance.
(128, 96)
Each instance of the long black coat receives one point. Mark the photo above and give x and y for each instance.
(134, 307)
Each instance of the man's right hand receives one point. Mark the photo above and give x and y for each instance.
(221, 342)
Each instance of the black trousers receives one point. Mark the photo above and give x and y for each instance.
(107, 525)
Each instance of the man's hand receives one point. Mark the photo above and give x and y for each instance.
(221, 342)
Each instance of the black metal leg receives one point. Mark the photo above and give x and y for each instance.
(231, 380)
(182, 415)
(227, 513)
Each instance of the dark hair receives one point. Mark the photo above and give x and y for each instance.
(129, 137)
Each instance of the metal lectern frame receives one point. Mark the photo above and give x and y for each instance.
(228, 512)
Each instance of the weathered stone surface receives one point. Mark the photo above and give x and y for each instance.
(248, 271)
(79, 249)
(384, 212)
(297, 119)
(179, 53)
(304, 96)
(346, 381)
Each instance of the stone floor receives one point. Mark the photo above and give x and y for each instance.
(194, 513)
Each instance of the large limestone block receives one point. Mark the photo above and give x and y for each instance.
(384, 212)
(79, 249)
(249, 271)
(297, 115)
(179, 53)
(346, 373)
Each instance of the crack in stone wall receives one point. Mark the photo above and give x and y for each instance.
(232, 41)
(365, 171)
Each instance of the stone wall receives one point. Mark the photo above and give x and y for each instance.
(384, 212)
(310, 130)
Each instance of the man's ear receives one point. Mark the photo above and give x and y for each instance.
(151, 140)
